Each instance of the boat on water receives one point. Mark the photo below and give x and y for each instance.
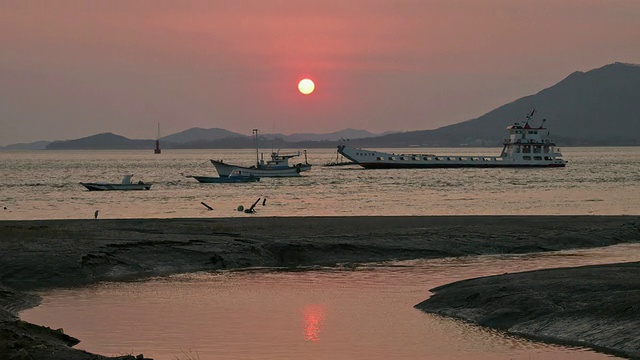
(236, 176)
(126, 184)
(277, 166)
(526, 146)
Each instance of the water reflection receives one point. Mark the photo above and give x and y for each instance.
(366, 313)
(313, 318)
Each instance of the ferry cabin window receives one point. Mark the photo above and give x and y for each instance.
(536, 149)
(526, 158)
(526, 149)
(548, 158)
(537, 158)
(380, 158)
(416, 158)
(391, 158)
(452, 158)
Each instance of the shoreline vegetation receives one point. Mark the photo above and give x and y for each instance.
(592, 306)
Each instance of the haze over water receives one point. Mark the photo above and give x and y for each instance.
(45, 185)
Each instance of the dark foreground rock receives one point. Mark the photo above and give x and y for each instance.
(592, 306)
(35, 255)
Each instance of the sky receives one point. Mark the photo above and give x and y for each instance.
(70, 69)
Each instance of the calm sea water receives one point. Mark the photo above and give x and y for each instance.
(362, 313)
(45, 185)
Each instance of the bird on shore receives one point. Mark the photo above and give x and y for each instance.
(95, 214)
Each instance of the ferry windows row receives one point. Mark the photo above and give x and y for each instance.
(536, 149)
(364, 154)
(538, 158)
(447, 158)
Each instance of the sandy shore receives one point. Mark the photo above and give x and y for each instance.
(36, 255)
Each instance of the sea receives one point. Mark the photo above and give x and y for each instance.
(46, 185)
(364, 312)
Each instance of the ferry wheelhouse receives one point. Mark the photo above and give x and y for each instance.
(525, 147)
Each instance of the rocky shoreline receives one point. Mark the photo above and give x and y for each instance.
(36, 255)
(592, 306)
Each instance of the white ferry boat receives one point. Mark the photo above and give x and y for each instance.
(525, 147)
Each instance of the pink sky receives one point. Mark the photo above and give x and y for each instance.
(70, 69)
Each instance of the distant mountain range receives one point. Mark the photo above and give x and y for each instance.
(598, 107)
(215, 138)
(38, 145)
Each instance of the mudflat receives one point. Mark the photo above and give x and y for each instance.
(53, 253)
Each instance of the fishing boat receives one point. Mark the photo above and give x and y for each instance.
(236, 176)
(126, 184)
(277, 166)
(526, 146)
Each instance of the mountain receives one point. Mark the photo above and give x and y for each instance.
(199, 134)
(334, 136)
(597, 107)
(101, 141)
(38, 145)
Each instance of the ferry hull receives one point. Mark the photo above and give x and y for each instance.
(452, 166)
(371, 159)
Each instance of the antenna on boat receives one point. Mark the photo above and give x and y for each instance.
(529, 116)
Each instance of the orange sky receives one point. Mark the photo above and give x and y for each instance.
(76, 68)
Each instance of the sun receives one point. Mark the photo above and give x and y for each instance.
(306, 86)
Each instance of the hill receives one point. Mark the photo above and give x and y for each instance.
(101, 141)
(598, 107)
(199, 134)
(37, 145)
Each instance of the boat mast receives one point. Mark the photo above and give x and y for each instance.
(255, 133)
(157, 149)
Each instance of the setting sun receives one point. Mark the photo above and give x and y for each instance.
(306, 86)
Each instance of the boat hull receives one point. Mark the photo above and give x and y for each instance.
(371, 159)
(224, 170)
(115, 187)
(226, 180)
(452, 166)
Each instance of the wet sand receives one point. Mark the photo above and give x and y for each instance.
(35, 255)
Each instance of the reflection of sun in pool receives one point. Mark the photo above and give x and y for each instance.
(306, 86)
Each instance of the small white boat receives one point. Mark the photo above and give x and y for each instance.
(126, 184)
(526, 147)
(278, 166)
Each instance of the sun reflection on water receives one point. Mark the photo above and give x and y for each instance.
(313, 316)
